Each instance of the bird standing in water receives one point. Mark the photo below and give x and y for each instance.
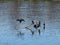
(20, 20)
(44, 26)
(37, 25)
(32, 22)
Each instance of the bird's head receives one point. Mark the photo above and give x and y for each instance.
(17, 19)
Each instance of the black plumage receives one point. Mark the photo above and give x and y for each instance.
(32, 22)
(37, 25)
(44, 26)
(20, 20)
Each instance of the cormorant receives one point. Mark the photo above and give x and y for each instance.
(32, 22)
(20, 20)
(44, 26)
(37, 25)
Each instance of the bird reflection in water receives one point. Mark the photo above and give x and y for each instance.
(20, 34)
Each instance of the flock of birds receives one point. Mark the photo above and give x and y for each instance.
(35, 25)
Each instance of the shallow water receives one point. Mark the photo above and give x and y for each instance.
(48, 12)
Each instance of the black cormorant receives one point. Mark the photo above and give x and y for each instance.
(37, 25)
(44, 26)
(20, 20)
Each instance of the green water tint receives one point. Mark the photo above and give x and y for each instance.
(47, 0)
(29, 0)
(40, 0)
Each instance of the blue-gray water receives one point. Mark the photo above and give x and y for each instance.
(48, 12)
